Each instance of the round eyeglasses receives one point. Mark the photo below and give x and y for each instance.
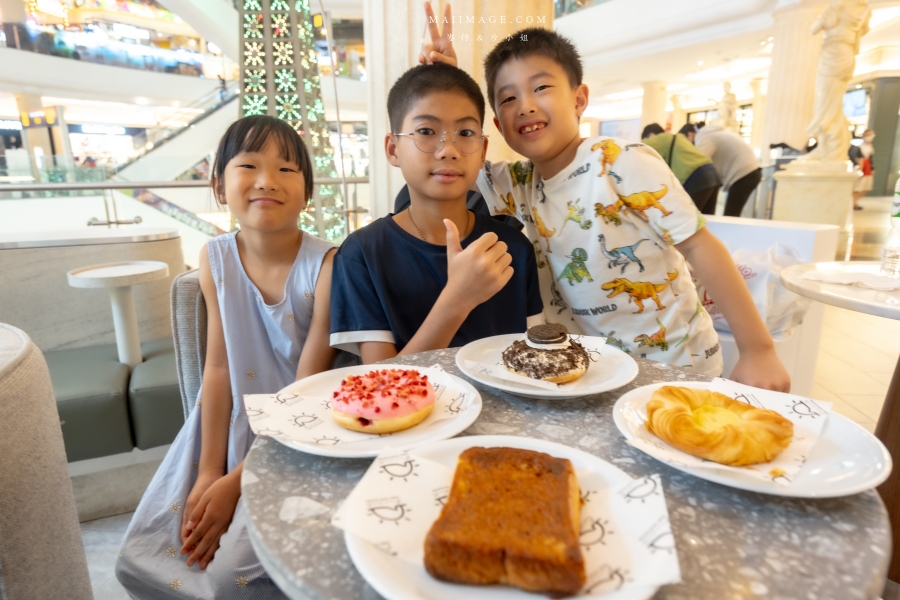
(467, 140)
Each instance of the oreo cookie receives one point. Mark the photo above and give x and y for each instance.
(547, 334)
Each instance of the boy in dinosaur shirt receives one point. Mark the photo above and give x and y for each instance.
(612, 223)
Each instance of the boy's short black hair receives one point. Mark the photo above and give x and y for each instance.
(652, 129)
(530, 42)
(422, 80)
(251, 134)
(688, 128)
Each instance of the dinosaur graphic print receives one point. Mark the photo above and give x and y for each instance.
(542, 229)
(623, 256)
(576, 271)
(539, 255)
(521, 172)
(605, 231)
(557, 299)
(610, 151)
(609, 214)
(644, 201)
(657, 340)
(639, 291)
(510, 205)
(576, 215)
(615, 342)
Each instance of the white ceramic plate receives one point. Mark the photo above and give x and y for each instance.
(613, 369)
(400, 580)
(324, 384)
(846, 460)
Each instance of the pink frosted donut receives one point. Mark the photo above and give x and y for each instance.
(383, 401)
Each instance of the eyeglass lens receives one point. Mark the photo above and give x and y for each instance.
(467, 140)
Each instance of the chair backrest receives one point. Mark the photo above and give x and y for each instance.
(189, 332)
(41, 551)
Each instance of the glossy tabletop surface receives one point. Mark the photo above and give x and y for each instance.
(852, 297)
(730, 543)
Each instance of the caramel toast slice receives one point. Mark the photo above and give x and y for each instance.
(512, 518)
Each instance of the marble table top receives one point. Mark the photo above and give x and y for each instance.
(860, 299)
(731, 544)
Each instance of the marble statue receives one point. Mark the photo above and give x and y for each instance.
(843, 23)
(727, 109)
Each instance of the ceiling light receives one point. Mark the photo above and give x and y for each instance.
(770, 38)
(699, 63)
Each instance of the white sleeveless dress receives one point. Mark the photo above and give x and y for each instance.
(263, 344)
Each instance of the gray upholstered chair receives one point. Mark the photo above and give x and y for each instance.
(189, 330)
(41, 552)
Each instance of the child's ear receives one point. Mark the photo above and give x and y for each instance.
(497, 124)
(390, 150)
(581, 99)
(217, 192)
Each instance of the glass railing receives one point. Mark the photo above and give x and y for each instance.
(181, 120)
(93, 44)
(567, 7)
(327, 222)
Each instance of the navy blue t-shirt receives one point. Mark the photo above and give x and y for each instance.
(385, 282)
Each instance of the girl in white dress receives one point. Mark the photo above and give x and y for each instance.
(267, 291)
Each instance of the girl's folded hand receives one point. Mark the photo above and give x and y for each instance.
(211, 518)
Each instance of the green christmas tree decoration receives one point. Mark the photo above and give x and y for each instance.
(253, 26)
(254, 81)
(280, 26)
(286, 81)
(254, 54)
(254, 105)
(288, 110)
(273, 65)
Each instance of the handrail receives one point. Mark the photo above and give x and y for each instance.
(129, 185)
(168, 137)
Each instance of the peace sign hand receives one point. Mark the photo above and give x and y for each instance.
(439, 48)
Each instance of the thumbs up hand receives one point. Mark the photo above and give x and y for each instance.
(475, 274)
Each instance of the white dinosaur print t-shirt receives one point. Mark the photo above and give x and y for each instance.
(603, 230)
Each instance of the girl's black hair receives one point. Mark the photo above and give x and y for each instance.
(251, 134)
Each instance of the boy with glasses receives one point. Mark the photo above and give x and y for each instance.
(434, 275)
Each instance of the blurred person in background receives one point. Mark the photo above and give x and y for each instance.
(862, 156)
(735, 162)
(693, 169)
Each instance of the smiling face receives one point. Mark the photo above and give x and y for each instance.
(537, 108)
(265, 191)
(445, 174)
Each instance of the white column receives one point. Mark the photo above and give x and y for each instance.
(653, 107)
(394, 31)
(393, 35)
(679, 115)
(789, 102)
(759, 108)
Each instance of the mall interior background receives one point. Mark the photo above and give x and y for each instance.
(141, 90)
(119, 93)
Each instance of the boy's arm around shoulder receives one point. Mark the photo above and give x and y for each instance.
(317, 354)
(758, 365)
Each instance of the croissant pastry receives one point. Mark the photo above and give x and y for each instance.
(713, 426)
